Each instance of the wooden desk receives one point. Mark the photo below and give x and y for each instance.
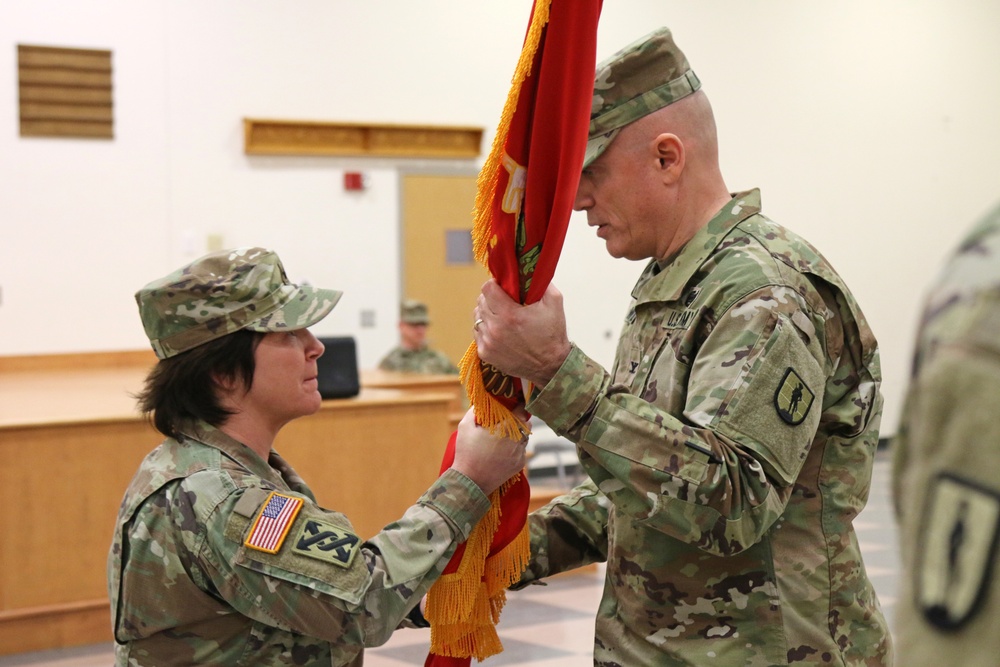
(421, 382)
(70, 441)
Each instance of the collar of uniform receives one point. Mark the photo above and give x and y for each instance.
(673, 274)
(234, 449)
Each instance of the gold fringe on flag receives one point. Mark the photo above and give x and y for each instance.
(463, 607)
(482, 237)
(489, 411)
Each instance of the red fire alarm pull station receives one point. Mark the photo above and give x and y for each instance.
(354, 181)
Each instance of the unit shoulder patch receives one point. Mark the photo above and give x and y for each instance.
(272, 523)
(793, 398)
(958, 546)
(327, 542)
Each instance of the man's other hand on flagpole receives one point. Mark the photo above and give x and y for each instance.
(488, 460)
(524, 341)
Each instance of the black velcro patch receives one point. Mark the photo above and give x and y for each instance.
(327, 542)
(792, 398)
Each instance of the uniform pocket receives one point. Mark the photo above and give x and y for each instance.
(775, 410)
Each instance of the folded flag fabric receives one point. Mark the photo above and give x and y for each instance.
(524, 200)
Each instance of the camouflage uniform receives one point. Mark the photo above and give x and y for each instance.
(947, 466)
(729, 451)
(424, 360)
(186, 589)
(222, 558)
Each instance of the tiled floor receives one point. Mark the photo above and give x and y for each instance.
(553, 625)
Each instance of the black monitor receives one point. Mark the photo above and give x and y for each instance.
(338, 368)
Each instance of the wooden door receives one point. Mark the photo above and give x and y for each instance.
(438, 267)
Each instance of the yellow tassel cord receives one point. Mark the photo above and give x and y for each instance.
(463, 607)
(490, 412)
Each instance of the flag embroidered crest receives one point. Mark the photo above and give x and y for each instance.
(273, 522)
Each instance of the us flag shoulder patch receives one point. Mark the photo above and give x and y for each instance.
(273, 522)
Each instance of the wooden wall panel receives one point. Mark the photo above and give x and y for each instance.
(138, 361)
(289, 137)
(65, 92)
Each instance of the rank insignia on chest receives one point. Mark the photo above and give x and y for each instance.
(957, 550)
(273, 522)
(327, 542)
(793, 398)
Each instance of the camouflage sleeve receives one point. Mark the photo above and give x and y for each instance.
(718, 475)
(948, 426)
(391, 361)
(320, 580)
(949, 402)
(445, 365)
(947, 493)
(570, 532)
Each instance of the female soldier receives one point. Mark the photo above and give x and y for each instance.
(221, 555)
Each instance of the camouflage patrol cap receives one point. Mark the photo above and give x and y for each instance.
(645, 76)
(413, 312)
(223, 292)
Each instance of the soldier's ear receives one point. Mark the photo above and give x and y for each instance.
(670, 156)
(227, 387)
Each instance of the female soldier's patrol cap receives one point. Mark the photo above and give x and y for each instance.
(645, 76)
(223, 292)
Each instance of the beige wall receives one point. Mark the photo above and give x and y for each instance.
(870, 127)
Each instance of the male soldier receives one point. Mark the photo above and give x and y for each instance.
(221, 555)
(413, 354)
(946, 484)
(731, 445)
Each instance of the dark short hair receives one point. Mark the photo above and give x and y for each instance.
(182, 388)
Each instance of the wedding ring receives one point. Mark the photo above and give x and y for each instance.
(476, 325)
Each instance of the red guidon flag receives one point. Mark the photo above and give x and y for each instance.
(525, 197)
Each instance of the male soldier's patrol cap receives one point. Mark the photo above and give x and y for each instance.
(223, 292)
(413, 312)
(645, 76)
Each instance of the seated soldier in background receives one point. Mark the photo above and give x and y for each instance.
(413, 354)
